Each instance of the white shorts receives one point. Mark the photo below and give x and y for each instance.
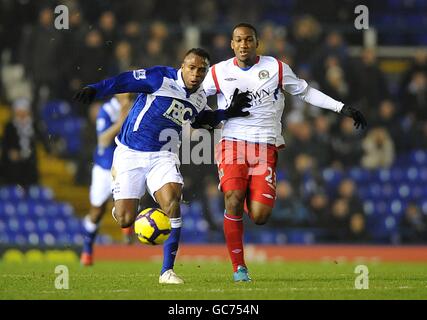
(134, 172)
(101, 186)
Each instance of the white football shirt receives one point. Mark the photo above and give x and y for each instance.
(266, 81)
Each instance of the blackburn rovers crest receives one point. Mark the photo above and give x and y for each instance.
(263, 74)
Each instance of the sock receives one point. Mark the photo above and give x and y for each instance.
(90, 230)
(233, 232)
(170, 248)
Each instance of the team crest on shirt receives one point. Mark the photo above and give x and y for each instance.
(139, 74)
(263, 74)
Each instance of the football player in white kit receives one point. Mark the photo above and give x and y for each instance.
(247, 153)
(109, 120)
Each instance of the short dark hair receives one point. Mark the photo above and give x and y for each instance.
(199, 52)
(245, 25)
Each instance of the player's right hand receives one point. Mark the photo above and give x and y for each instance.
(240, 101)
(85, 95)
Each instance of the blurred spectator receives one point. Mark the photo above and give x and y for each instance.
(388, 119)
(347, 221)
(19, 154)
(220, 48)
(415, 98)
(306, 38)
(73, 44)
(84, 161)
(372, 83)
(41, 49)
(322, 140)
(346, 144)
(319, 206)
(420, 142)
(92, 63)
(414, 225)
(419, 64)
(335, 83)
(123, 58)
(289, 210)
(378, 149)
(132, 33)
(108, 28)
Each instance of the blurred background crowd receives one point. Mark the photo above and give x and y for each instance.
(334, 183)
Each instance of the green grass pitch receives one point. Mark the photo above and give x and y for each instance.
(212, 280)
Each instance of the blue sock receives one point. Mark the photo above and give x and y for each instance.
(90, 230)
(170, 247)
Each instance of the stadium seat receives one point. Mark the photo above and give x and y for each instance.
(40, 193)
(12, 193)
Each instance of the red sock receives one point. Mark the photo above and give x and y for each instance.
(233, 232)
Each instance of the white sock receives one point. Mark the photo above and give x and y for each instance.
(176, 222)
(89, 226)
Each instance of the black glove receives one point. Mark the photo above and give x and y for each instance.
(359, 119)
(85, 95)
(240, 101)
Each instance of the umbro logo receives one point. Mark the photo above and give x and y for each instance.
(230, 79)
(269, 196)
(236, 250)
(173, 88)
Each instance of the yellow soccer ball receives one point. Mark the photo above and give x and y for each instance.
(152, 226)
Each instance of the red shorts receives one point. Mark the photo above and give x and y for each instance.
(249, 167)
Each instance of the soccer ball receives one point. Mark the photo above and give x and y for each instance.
(152, 226)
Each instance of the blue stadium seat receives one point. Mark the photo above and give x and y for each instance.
(12, 193)
(404, 191)
(381, 208)
(33, 238)
(358, 174)
(4, 238)
(47, 239)
(369, 207)
(73, 225)
(423, 205)
(43, 225)
(59, 225)
(65, 210)
(40, 193)
(29, 225)
(397, 207)
(18, 238)
(418, 157)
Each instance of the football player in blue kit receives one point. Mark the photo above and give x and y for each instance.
(109, 120)
(142, 160)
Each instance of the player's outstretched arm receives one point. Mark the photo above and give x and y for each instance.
(321, 100)
(211, 118)
(137, 81)
(359, 119)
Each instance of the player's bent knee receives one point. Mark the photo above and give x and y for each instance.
(262, 218)
(234, 199)
(125, 219)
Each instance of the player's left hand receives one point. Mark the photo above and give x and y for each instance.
(359, 119)
(85, 95)
(240, 101)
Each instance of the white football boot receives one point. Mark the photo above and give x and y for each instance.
(170, 277)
